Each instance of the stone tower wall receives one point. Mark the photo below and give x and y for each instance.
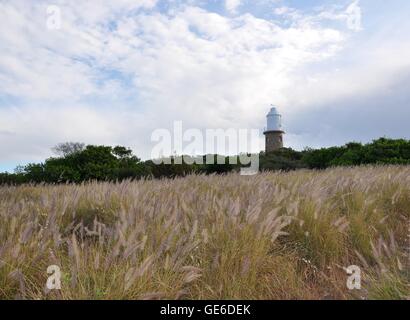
(274, 140)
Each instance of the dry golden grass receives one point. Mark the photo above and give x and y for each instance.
(269, 236)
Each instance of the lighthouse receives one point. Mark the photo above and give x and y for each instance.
(274, 132)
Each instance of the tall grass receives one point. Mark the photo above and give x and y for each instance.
(269, 236)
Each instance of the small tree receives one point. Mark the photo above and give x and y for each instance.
(68, 148)
(122, 152)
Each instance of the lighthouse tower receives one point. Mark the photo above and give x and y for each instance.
(274, 132)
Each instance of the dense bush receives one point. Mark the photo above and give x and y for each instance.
(90, 163)
(77, 163)
(381, 151)
(285, 159)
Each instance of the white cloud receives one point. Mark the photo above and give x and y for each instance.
(116, 71)
(232, 5)
(29, 133)
(282, 10)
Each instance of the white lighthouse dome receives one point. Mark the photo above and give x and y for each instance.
(274, 120)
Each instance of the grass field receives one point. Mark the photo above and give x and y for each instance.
(269, 236)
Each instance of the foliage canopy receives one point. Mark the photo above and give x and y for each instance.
(77, 163)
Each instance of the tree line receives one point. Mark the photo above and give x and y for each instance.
(75, 162)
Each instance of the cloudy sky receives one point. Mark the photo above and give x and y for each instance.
(111, 72)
